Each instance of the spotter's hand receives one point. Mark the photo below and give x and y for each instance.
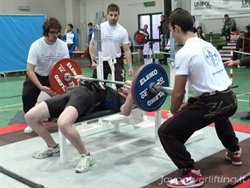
(48, 90)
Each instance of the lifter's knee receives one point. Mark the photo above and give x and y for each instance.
(37, 113)
(31, 117)
(63, 127)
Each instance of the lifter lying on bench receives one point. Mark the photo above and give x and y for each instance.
(68, 108)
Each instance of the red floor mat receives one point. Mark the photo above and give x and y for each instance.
(164, 115)
(12, 128)
(245, 184)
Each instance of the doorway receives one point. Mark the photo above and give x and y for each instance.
(153, 21)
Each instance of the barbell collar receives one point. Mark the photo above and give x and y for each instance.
(156, 88)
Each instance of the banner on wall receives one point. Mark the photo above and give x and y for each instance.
(17, 34)
(212, 8)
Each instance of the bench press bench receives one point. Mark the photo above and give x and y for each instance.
(106, 119)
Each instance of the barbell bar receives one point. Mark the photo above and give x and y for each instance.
(68, 78)
(149, 84)
(153, 87)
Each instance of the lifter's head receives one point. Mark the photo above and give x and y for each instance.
(125, 90)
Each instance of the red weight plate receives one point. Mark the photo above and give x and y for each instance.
(57, 74)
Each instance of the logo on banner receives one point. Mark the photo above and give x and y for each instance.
(245, 3)
(202, 5)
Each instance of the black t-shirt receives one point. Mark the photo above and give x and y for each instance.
(113, 100)
(107, 98)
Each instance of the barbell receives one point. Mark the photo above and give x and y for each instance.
(68, 77)
(149, 85)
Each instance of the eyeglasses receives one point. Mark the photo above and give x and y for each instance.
(54, 32)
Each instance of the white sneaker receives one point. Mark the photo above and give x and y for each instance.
(28, 130)
(86, 161)
(47, 152)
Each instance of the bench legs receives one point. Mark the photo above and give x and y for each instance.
(63, 147)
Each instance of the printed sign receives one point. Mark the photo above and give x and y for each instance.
(219, 7)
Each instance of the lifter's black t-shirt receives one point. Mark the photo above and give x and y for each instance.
(107, 98)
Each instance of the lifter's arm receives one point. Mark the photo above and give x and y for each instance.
(129, 104)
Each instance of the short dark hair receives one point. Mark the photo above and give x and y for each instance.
(182, 18)
(113, 7)
(90, 24)
(71, 25)
(199, 27)
(226, 15)
(51, 23)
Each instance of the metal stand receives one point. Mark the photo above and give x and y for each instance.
(98, 45)
(99, 59)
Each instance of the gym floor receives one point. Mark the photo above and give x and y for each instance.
(122, 160)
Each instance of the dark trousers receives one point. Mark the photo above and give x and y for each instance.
(71, 48)
(227, 33)
(120, 72)
(199, 112)
(30, 92)
(89, 57)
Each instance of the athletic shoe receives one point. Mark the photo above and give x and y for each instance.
(47, 152)
(234, 157)
(190, 178)
(28, 130)
(86, 161)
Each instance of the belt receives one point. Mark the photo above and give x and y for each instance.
(214, 93)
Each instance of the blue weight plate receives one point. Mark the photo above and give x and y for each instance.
(143, 78)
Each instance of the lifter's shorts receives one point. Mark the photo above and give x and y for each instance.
(82, 98)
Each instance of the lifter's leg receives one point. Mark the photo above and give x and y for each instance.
(65, 125)
(65, 122)
(34, 116)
